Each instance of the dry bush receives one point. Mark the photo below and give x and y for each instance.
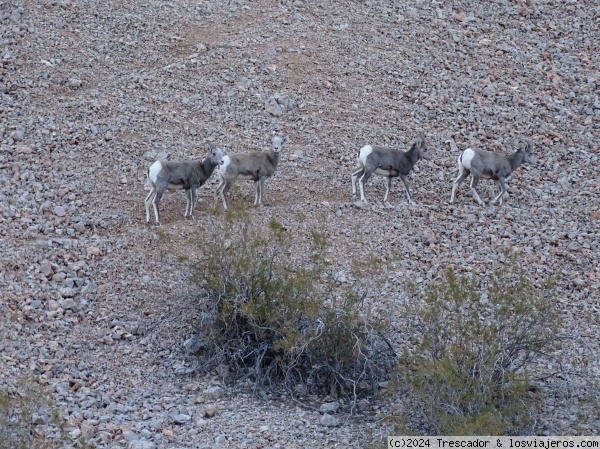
(282, 320)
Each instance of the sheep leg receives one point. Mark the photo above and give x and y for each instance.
(500, 191)
(220, 192)
(462, 175)
(223, 200)
(355, 176)
(224, 192)
(216, 194)
(388, 187)
(502, 185)
(191, 202)
(194, 198)
(187, 203)
(361, 184)
(261, 186)
(406, 186)
(505, 194)
(256, 192)
(147, 202)
(474, 181)
(155, 201)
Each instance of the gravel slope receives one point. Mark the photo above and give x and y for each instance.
(96, 305)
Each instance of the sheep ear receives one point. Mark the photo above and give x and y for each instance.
(524, 145)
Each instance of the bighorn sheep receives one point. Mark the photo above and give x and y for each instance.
(256, 166)
(388, 162)
(488, 165)
(188, 175)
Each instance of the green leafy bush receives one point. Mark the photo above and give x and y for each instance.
(280, 318)
(477, 347)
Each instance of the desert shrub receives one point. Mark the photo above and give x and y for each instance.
(478, 345)
(279, 318)
(29, 417)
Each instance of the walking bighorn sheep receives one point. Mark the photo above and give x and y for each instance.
(188, 175)
(388, 162)
(256, 166)
(483, 164)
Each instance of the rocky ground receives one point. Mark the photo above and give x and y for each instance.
(97, 305)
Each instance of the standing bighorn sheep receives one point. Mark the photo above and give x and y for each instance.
(256, 166)
(483, 164)
(390, 163)
(188, 175)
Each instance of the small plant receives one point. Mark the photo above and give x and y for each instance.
(163, 239)
(161, 235)
(279, 318)
(476, 350)
(29, 417)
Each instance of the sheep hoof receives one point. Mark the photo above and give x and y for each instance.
(361, 204)
(388, 205)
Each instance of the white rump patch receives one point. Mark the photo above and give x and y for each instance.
(467, 157)
(154, 171)
(224, 165)
(364, 153)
